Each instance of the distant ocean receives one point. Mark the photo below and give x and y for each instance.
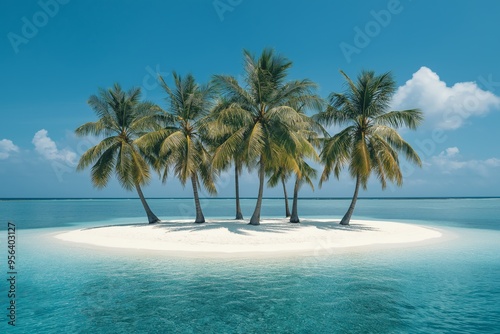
(447, 287)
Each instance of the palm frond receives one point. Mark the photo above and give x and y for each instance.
(124, 166)
(337, 152)
(123, 118)
(410, 118)
(255, 142)
(397, 142)
(226, 151)
(103, 168)
(98, 128)
(94, 153)
(231, 89)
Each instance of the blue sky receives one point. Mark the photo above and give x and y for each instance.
(56, 53)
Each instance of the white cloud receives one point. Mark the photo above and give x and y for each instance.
(444, 107)
(450, 160)
(450, 152)
(493, 162)
(6, 147)
(47, 148)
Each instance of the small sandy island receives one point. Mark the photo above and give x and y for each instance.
(237, 237)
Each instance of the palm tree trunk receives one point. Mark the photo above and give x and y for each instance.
(255, 220)
(199, 214)
(287, 209)
(347, 217)
(152, 219)
(295, 216)
(239, 215)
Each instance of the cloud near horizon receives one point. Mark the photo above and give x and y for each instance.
(450, 160)
(444, 107)
(6, 148)
(47, 148)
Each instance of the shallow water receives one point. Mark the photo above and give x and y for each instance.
(447, 287)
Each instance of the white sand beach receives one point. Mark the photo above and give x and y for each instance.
(237, 237)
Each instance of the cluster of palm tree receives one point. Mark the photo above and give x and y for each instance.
(265, 123)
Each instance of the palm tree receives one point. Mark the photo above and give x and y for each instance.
(237, 172)
(285, 166)
(305, 172)
(370, 142)
(217, 136)
(305, 175)
(179, 144)
(288, 164)
(122, 119)
(280, 174)
(267, 124)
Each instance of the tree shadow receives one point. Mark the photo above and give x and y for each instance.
(276, 225)
(329, 226)
(233, 226)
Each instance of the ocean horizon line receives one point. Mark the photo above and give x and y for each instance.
(246, 198)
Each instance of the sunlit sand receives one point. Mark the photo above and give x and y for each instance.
(233, 237)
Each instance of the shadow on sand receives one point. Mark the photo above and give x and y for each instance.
(242, 227)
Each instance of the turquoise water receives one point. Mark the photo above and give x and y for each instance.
(447, 287)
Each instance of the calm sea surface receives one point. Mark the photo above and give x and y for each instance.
(447, 287)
